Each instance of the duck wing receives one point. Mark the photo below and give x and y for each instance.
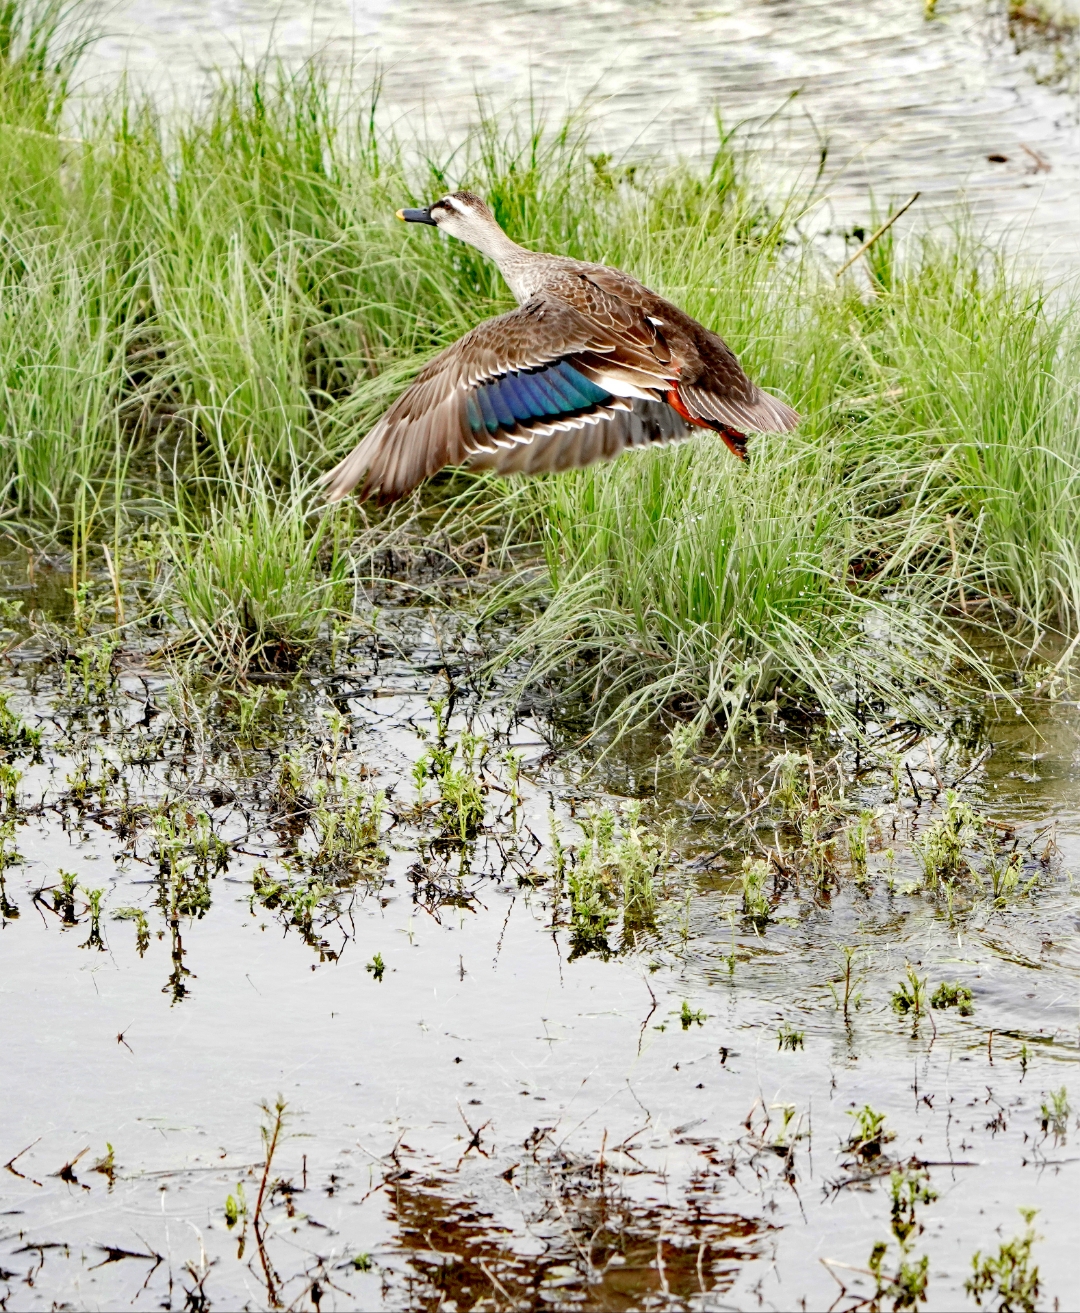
(544, 371)
(712, 388)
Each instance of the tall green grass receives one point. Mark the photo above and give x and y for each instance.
(199, 312)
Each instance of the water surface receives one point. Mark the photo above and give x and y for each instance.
(508, 1115)
(903, 103)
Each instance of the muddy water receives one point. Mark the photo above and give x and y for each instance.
(509, 1113)
(904, 103)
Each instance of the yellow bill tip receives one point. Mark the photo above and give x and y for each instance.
(401, 215)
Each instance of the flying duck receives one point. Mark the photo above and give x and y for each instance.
(591, 363)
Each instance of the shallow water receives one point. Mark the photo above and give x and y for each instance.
(904, 103)
(510, 1117)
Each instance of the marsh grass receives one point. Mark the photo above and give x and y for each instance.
(257, 574)
(200, 311)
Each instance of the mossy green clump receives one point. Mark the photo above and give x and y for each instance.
(953, 995)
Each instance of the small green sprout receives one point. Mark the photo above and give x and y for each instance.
(362, 1263)
(94, 940)
(756, 907)
(106, 1164)
(689, 1016)
(868, 1136)
(909, 997)
(789, 1038)
(64, 897)
(858, 837)
(1054, 1114)
(851, 997)
(235, 1206)
(376, 966)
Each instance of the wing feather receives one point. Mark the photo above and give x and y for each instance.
(646, 424)
(760, 412)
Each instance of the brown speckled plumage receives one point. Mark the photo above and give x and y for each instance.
(607, 363)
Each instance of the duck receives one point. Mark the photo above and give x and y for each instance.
(589, 365)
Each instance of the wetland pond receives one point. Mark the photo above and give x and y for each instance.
(365, 987)
(532, 1028)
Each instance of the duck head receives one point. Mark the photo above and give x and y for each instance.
(465, 216)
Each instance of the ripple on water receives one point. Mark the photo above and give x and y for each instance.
(905, 104)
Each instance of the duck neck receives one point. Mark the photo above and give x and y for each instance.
(517, 265)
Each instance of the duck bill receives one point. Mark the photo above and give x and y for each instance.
(417, 216)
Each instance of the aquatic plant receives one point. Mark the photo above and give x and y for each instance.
(851, 996)
(941, 848)
(9, 787)
(755, 905)
(93, 899)
(235, 1206)
(953, 995)
(617, 863)
(16, 737)
(106, 1164)
(9, 854)
(1004, 874)
(89, 670)
(869, 1134)
(858, 834)
(346, 822)
(64, 897)
(787, 1037)
(142, 926)
(1054, 1114)
(639, 856)
(906, 1285)
(1008, 1279)
(462, 807)
(589, 883)
(909, 997)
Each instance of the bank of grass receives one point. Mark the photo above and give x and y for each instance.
(199, 313)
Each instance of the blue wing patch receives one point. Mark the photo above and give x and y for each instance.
(552, 392)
